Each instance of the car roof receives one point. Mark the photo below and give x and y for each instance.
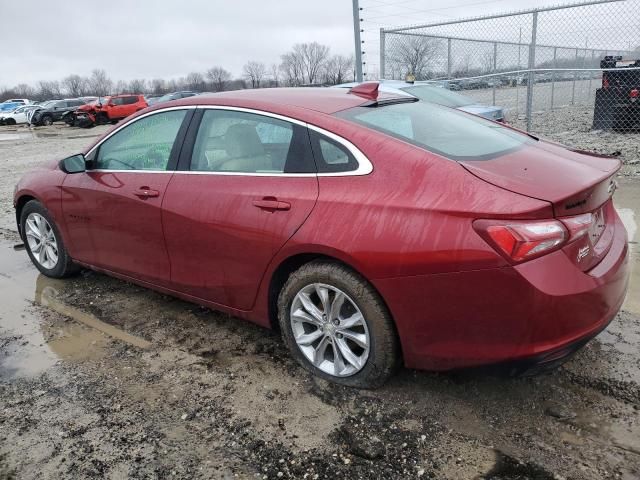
(323, 100)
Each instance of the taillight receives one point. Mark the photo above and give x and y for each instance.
(634, 93)
(523, 240)
(578, 226)
(605, 81)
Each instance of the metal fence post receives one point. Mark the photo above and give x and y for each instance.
(575, 73)
(591, 73)
(495, 68)
(553, 76)
(382, 54)
(532, 65)
(448, 58)
(356, 39)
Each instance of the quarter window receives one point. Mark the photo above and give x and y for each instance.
(145, 144)
(233, 141)
(331, 156)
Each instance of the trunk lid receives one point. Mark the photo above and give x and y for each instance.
(574, 182)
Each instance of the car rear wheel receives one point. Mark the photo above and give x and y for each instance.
(47, 120)
(10, 121)
(337, 326)
(43, 242)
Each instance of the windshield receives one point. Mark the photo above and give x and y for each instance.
(439, 95)
(447, 132)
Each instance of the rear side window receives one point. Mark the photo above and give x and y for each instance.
(447, 132)
(331, 156)
(242, 142)
(129, 100)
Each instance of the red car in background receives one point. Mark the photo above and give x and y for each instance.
(369, 228)
(110, 109)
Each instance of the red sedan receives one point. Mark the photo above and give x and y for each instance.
(370, 229)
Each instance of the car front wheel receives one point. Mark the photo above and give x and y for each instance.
(47, 120)
(43, 242)
(337, 326)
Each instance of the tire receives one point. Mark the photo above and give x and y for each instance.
(374, 363)
(10, 121)
(33, 214)
(102, 118)
(70, 119)
(46, 120)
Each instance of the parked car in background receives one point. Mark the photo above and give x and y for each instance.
(172, 96)
(7, 107)
(18, 116)
(370, 228)
(22, 101)
(55, 111)
(109, 109)
(434, 92)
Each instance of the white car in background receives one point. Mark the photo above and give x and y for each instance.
(18, 116)
(23, 101)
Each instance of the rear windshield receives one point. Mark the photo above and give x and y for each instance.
(445, 131)
(439, 95)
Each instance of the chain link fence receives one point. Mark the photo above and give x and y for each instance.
(577, 59)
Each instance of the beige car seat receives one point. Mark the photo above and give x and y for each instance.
(245, 151)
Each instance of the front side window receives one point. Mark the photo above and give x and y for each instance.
(144, 144)
(445, 131)
(233, 141)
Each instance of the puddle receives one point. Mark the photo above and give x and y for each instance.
(33, 341)
(627, 202)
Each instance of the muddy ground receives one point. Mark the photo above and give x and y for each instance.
(103, 379)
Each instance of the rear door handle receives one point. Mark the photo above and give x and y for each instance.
(146, 192)
(271, 204)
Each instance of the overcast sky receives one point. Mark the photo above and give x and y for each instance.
(49, 39)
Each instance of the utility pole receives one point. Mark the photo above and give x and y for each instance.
(356, 36)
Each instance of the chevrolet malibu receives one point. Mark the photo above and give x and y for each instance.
(371, 229)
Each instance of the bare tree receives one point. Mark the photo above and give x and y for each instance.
(414, 55)
(99, 83)
(292, 69)
(138, 86)
(274, 71)
(339, 69)
(219, 78)
(195, 81)
(487, 62)
(121, 87)
(48, 90)
(314, 56)
(24, 91)
(254, 72)
(74, 85)
(158, 86)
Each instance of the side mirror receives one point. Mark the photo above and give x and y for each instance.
(74, 164)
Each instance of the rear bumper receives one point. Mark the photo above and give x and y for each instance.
(531, 312)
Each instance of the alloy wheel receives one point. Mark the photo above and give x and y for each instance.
(41, 240)
(330, 330)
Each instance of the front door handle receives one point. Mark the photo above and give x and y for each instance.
(271, 204)
(146, 192)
